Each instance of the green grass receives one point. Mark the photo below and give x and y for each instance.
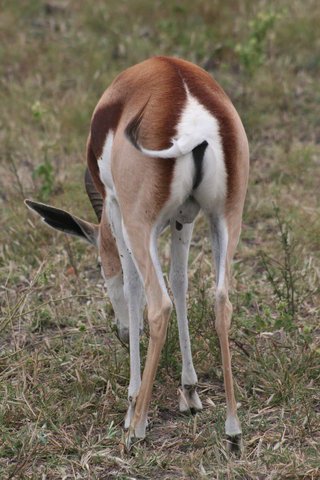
(63, 373)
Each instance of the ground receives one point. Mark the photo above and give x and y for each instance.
(64, 373)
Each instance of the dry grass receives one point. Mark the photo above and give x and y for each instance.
(63, 373)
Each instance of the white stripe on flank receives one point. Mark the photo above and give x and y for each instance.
(104, 162)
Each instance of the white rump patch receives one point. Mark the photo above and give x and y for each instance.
(197, 125)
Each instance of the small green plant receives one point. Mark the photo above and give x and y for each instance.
(38, 110)
(44, 172)
(252, 53)
(282, 274)
(111, 430)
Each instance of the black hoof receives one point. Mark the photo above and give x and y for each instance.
(131, 442)
(234, 444)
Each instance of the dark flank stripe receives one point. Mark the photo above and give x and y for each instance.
(132, 129)
(105, 118)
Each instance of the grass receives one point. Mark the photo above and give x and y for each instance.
(63, 373)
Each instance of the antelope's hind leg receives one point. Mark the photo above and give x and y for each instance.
(180, 244)
(224, 241)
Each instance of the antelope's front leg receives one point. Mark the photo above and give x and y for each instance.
(112, 273)
(180, 238)
(135, 298)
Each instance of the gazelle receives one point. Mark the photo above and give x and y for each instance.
(165, 142)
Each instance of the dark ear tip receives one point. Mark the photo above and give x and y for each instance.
(32, 204)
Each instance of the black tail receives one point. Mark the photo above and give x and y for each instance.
(198, 154)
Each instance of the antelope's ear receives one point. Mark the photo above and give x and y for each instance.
(65, 222)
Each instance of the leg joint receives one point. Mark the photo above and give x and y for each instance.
(158, 321)
(223, 310)
(221, 297)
